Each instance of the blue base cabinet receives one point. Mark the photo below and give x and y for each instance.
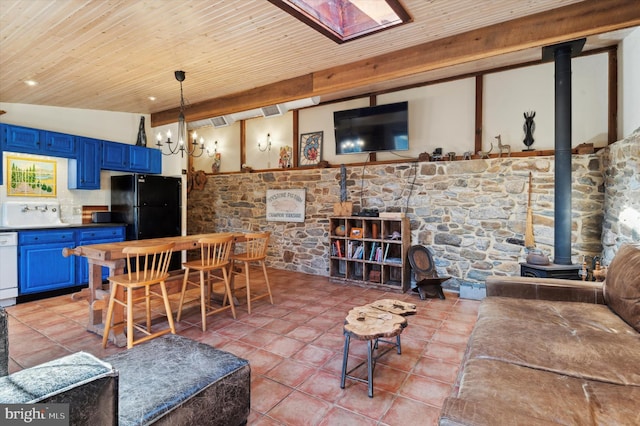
(41, 265)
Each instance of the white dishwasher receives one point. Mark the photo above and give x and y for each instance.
(8, 268)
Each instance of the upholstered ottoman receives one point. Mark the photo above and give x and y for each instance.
(174, 380)
(81, 380)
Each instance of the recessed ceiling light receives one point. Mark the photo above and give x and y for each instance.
(152, 98)
(31, 82)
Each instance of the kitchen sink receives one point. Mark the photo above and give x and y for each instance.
(31, 214)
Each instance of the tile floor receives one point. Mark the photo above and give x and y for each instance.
(295, 350)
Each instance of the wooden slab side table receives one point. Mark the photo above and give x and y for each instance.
(372, 323)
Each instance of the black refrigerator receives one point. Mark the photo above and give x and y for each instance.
(149, 205)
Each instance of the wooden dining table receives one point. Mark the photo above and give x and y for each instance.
(111, 255)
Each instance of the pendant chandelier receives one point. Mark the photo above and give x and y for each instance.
(183, 145)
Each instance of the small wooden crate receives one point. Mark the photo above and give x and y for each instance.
(344, 208)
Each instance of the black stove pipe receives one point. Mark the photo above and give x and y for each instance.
(562, 193)
(562, 54)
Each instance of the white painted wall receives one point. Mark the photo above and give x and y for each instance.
(629, 84)
(509, 94)
(228, 146)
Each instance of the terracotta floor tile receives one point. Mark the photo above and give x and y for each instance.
(280, 326)
(425, 390)
(298, 341)
(299, 409)
(436, 369)
(313, 355)
(452, 354)
(340, 417)
(284, 346)
(290, 372)
(323, 385)
(453, 339)
(355, 398)
(259, 337)
(305, 333)
(262, 361)
(407, 412)
(265, 393)
(238, 348)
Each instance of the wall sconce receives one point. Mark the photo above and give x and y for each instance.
(214, 151)
(267, 145)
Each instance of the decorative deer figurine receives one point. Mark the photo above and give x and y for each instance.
(502, 148)
(485, 154)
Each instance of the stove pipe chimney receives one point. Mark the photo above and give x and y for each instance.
(561, 54)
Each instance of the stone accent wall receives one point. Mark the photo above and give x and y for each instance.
(622, 195)
(468, 212)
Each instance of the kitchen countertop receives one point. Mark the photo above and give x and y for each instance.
(72, 225)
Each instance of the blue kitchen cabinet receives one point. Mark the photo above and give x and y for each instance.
(21, 139)
(35, 141)
(88, 236)
(115, 156)
(130, 158)
(41, 265)
(59, 144)
(2, 132)
(144, 160)
(84, 170)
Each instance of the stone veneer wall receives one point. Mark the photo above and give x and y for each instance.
(622, 195)
(466, 211)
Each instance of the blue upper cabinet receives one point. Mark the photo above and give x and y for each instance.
(115, 156)
(84, 170)
(144, 160)
(130, 158)
(34, 141)
(86, 156)
(59, 144)
(21, 139)
(2, 135)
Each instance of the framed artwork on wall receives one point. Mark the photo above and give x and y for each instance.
(31, 177)
(310, 149)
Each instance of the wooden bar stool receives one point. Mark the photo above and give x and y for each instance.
(255, 251)
(214, 256)
(146, 266)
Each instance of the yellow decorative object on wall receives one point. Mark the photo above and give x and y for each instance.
(31, 177)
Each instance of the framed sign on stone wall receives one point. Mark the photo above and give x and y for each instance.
(286, 205)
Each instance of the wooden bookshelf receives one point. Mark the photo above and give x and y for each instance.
(372, 251)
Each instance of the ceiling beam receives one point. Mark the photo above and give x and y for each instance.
(582, 19)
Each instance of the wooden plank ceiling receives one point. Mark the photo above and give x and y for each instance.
(241, 54)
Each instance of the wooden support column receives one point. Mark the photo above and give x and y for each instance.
(478, 122)
(613, 96)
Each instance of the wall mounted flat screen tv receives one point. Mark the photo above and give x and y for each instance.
(372, 129)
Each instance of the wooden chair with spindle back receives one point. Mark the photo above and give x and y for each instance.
(214, 256)
(147, 266)
(255, 250)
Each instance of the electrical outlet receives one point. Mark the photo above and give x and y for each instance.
(77, 211)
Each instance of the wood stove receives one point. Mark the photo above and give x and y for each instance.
(552, 270)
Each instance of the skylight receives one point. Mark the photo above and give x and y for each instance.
(345, 20)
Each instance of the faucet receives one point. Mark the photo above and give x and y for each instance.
(25, 208)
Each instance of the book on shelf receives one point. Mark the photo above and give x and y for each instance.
(386, 252)
(373, 251)
(338, 251)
